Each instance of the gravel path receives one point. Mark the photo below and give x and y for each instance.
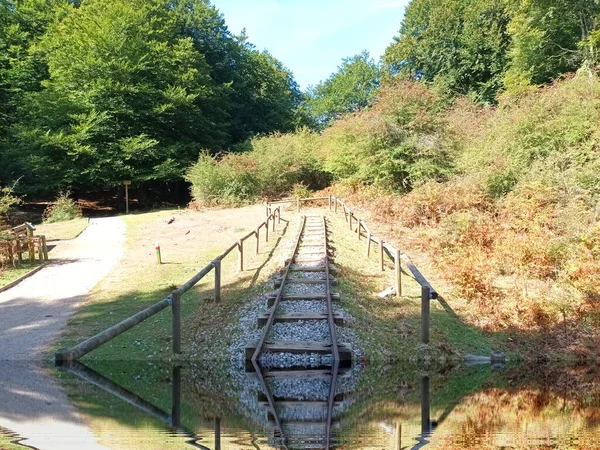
(31, 316)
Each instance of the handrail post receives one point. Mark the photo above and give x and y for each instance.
(398, 274)
(358, 230)
(335, 203)
(267, 230)
(350, 221)
(369, 244)
(381, 253)
(176, 320)
(273, 222)
(240, 244)
(257, 234)
(217, 267)
(329, 202)
(176, 397)
(425, 312)
(278, 215)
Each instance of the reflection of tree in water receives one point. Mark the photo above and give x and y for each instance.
(469, 408)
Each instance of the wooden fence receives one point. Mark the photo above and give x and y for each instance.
(66, 355)
(359, 226)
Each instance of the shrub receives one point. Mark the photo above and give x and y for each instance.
(270, 167)
(401, 142)
(64, 208)
(228, 182)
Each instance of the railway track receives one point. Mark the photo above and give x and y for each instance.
(298, 357)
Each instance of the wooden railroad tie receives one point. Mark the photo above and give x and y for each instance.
(295, 317)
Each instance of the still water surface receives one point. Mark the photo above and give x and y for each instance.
(146, 405)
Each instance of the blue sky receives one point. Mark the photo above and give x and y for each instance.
(312, 36)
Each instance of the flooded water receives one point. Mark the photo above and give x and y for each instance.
(146, 405)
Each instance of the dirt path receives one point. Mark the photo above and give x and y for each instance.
(31, 316)
(33, 312)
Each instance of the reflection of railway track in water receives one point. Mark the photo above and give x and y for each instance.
(302, 305)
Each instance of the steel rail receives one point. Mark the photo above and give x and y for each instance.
(334, 344)
(271, 319)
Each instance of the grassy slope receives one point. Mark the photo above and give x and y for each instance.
(8, 275)
(188, 245)
(68, 229)
(390, 326)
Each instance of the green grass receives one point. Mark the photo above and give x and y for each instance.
(138, 282)
(6, 442)
(10, 274)
(69, 229)
(390, 327)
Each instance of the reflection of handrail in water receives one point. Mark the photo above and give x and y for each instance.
(427, 426)
(173, 420)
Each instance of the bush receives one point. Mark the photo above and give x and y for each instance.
(270, 167)
(401, 142)
(63, 208)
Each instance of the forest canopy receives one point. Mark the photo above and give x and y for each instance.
(98, 91)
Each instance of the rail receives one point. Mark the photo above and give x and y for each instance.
(359, 226)
(66, 355)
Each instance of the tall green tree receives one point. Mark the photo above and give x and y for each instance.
(129, 89)
(460, 45)
(550, 38)
(261, 94)
(124, 99)
(349, 89)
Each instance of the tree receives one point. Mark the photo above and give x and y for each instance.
(550, 38)
(348, 90)
(460, 45)
(260, 94)
(94, 92)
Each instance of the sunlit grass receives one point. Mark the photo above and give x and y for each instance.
(68, 229)
(10, 274)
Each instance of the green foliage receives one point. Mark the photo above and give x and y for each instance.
(7, 199)
(400, 142)
(459, 45)
(348, 90)
(271, 166)
(102, 91)
(550, 38)
(222, 183)
(64, 208)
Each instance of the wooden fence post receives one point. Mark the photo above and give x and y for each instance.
(335, 203)
(329, 203)
(425, 411)
(368, 244)
(176, 320)
(217, 267)
(350, 221)
(45, 248)
(425, 310)
(31, 247)
(257, 234)
(267, 231)
(381, 253)
(398, 274)
(273, 223)
(240, 244)
(176, 397)
(358, 230)
(40, 249)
